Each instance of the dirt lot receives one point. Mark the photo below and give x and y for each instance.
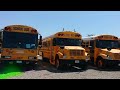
(47, 71)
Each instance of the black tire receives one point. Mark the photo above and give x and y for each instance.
(84, 67)
(100, 64)
(36, 67)
(57, 63)
(91, 61)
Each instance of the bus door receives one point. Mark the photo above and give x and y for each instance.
(51, 52)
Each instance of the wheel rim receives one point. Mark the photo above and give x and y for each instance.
(100, 63)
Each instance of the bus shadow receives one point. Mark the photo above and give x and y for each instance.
(47, 66)
(7, 71)
(12, 68)
(112, 68)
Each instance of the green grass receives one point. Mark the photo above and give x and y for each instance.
(9, 71)
(9, 75)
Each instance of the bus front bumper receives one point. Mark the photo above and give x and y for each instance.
(73, 62)
(112, 62)
(19, 61)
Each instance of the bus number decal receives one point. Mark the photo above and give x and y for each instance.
(67, 35)
(17, 28)
(26, 29)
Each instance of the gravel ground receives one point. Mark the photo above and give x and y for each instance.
(47, 71)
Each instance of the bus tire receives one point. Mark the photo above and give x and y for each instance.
(100, 63)
(57, 62)
(84, 67)
(35, 65)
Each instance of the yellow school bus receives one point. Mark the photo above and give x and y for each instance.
(64, 49)
(103, 49)
(119, 42)
(19, 44)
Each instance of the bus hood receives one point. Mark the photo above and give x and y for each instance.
(111, 51)
(74, 47)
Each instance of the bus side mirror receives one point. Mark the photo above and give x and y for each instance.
(40, 41)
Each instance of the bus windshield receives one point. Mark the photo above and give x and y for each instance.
(107, 44)
(66, 42)
(19, 40)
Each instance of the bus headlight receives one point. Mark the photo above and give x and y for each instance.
(7, 56)
(109, 58)
(39, 57)
(31, 57)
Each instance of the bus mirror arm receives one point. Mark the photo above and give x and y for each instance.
(40, 46)
(40, 41)
(0, 40)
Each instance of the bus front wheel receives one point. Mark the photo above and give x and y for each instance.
(100, 64)
(57, 63)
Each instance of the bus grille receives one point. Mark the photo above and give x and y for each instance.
(116, 56)
(76, 52)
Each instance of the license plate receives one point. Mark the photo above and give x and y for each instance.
(76, 61)
(18, 61)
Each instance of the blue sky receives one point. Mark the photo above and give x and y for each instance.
(50, 22)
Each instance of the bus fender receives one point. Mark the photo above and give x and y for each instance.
(60, 54)
(104, 56)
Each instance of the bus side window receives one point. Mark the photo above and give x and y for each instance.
(92, 44)
(87, 42)
(83, 45)
(54, 41)
(27, 45)
(48, 43)
(119, 43)
(86, 45)
(44, 44)
(32, 46)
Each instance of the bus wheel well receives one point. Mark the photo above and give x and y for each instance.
(99, 58)
(100, 63)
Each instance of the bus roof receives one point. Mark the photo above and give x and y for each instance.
(20, 28)
(95, 37)
(19, 25)
(62, 32)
